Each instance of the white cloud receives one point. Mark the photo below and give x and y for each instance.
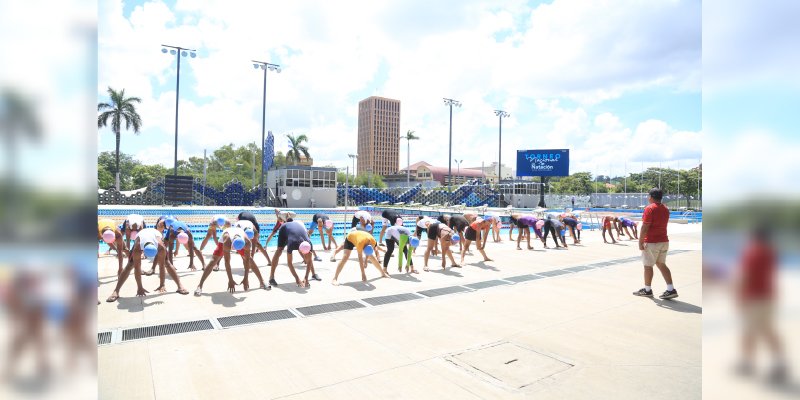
(334, 54)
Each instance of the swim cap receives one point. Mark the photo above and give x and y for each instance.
(250, 233)
(238, 243)
(455, 238)
(183, 238)
(368, 250)
(150, 250)
(109, 236)
(368, 227)
(220, 221)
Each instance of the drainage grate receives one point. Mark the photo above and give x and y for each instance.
(578, 268)
(104, 338)
(376, 301)
(486, 284)
(166, 329)
(443, 291)
(554, 272)
(523, 278)
(255, 318)
(331, 307)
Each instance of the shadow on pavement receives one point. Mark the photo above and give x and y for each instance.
(405, 277)
(224, 299)
(677, 305)
(135, 304)
(483, 265)
(362, 286)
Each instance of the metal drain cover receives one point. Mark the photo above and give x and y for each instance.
(508, 365)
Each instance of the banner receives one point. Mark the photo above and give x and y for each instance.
(543, 162)
(268, 151)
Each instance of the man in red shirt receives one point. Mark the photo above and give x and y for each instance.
(654, 244)
(755, 295)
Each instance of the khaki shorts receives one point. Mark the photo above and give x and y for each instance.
(655, 253)
(757, 315)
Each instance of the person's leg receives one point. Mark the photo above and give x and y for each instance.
(428, 250)
(122, 277)
(465, 250)
(161, 261)
(174, 275)
(212, 232)
(402, 252)
(480, 248)
(528, 237)
(331, 238)
(665, 272)
(339, 267)
(519, 238)
(293, 271)
(446, 245)
(274, 264)
(338, 249)
(389, 252)
(374, 261)
(206, 272)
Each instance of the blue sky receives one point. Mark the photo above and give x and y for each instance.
(625, 87)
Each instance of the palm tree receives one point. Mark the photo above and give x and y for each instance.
(296, 148)
(409, 136)
(121, 108)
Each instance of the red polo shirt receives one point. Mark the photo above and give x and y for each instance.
(758, 271)
(657, 215)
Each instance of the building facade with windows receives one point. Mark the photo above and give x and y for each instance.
(378, 135)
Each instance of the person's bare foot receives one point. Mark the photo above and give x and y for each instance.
(148, 273)
(182, 291)
(456, 266)
(530, 247)
(160, 289)
(114, 296)
(487, 259)
(520, 248)
(335, 282)
(192, 268)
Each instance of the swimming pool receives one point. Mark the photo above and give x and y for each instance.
(198, 218)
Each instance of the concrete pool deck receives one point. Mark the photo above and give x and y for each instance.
(577, 333)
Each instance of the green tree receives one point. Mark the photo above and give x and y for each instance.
(341, 177)
(143, 175)
(297, 148)
(363, 180)
(579, 183)
(104, 178)
(126, 164)
(120, 109)
(409, 136)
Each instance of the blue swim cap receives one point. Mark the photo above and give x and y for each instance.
(455, 238)
(169, 221)
(150, 250)
(563, 232)
(414, 242)
(250, 233)
(368, 250)
(238, 243)
(368, 227)
(220, 221)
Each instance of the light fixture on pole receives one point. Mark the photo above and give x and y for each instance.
(265, 66)
(500, 114)
(353, 157)
(178, 52)
(450, 103)
(458, 174)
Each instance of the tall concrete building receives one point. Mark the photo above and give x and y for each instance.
(378, 135)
